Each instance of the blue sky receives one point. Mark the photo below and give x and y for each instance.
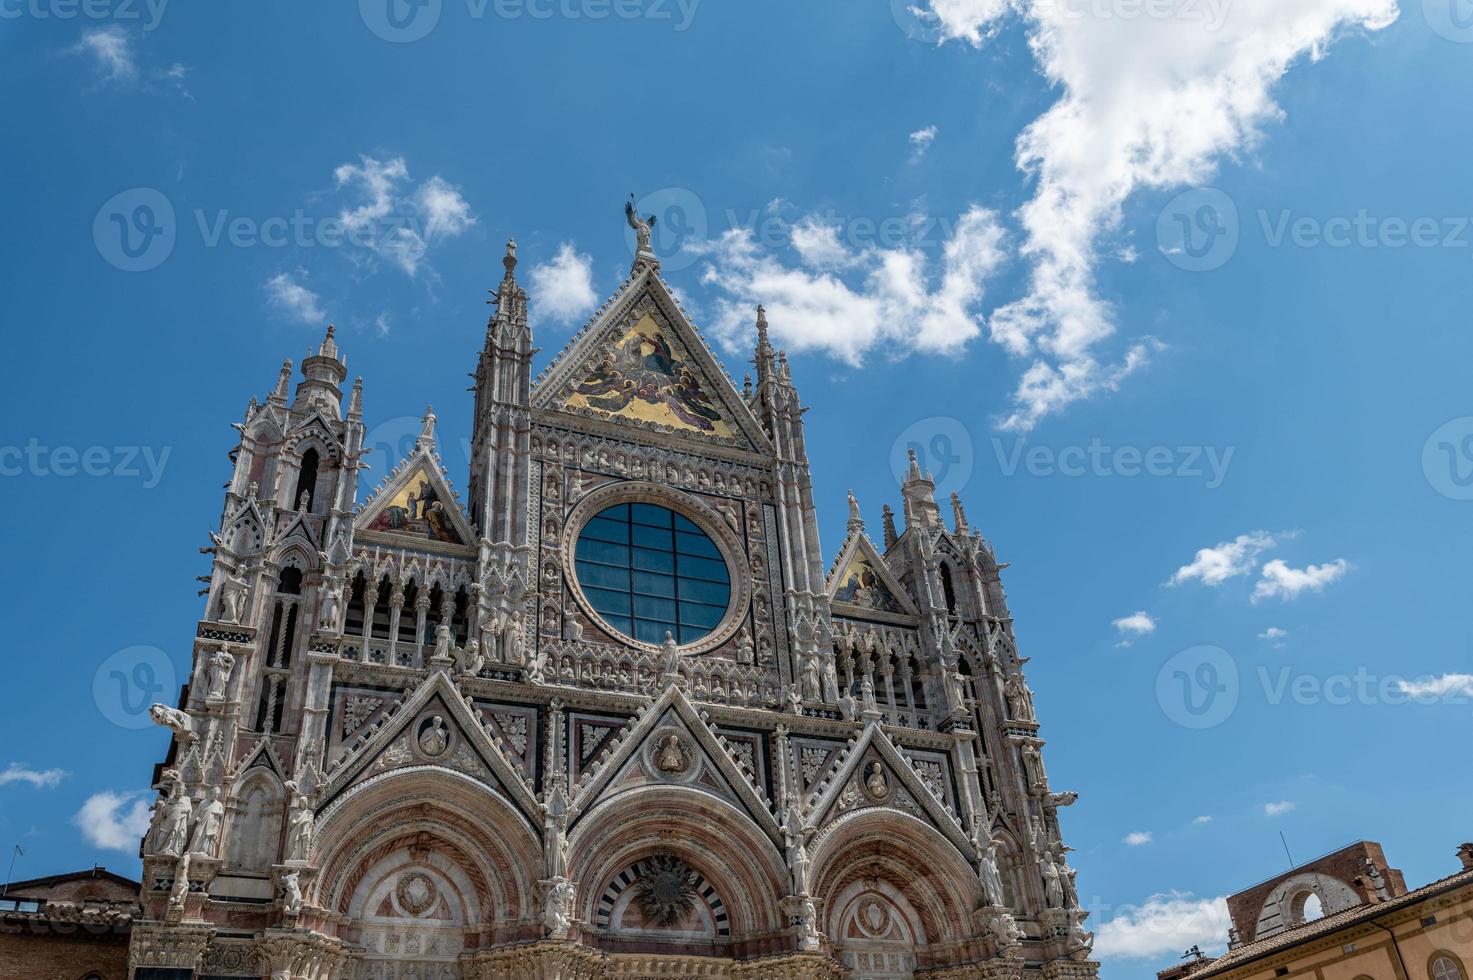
(1048, 244)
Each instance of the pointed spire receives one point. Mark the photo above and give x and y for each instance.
(919, 492)
(355, 400)
(959, 516)
(328, 347)
(283, 382)
(856, 522)
(763, 359)
(426, 438)
(890, 536)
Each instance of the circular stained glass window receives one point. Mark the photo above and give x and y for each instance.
(649, 571)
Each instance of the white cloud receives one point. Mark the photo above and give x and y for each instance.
(1202, 820)
(1217, 564)
(1448, 685)
(1273, 633)
(1281, 581)
(563, 287)
(1133, 627)
(115, 821)
(1164, 924)
(1147, 103)
(1277, 809)
(920, 142)
(111, 51)
(395, 219)
(1138, 838)
(294, 299)
(887, 298)
(17, 772)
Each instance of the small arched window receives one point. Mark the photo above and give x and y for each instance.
(1445, 966)
(307, 481)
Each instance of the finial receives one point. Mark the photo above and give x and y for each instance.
(856, 522)
(958, 514)
(914, 472)
(747, 385)
(355, 400)
(890, 536)
(510, 259)
(283, 380)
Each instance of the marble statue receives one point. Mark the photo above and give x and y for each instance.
(988, 872)
(173, 827)
(300, 824)
(180, 888)
(234, 591)
(221, 665)
(332, 602)
(557, 909)
(1053, 881)
(291, 893)
(205, 841)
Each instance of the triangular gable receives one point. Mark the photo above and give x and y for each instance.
(416, 502)
(316, 425)
(640, 361)
(718, 773)
(468, 749)
(863, 582)
(846, 789)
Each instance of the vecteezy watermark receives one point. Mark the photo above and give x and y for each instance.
(129, 682)
(1362, 687)
(943, 449)
(406, 21)
(918, 20)
(148, 12)
(1206, 463)
(1198, 688)
(1199, 230)
(138, 230)
(135, 230)
(1447, 459)
(125, 462)
(1212, 14)
(1452, 19)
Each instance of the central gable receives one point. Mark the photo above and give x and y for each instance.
(641, 362)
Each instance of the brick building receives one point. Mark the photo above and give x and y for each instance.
(67, 927)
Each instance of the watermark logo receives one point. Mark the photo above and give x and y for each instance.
(135, 230)
(680, 220)
(1452, 19)
(129, 462)
(1198, 688)
(917, 20)
(1212, 14)
(1199, 230)
(1208, 464)
(129, 682)
(942, 446)
(149, 12)
(401, 21)
(1447, 459)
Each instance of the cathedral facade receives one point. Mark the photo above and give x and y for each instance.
(608, 711)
